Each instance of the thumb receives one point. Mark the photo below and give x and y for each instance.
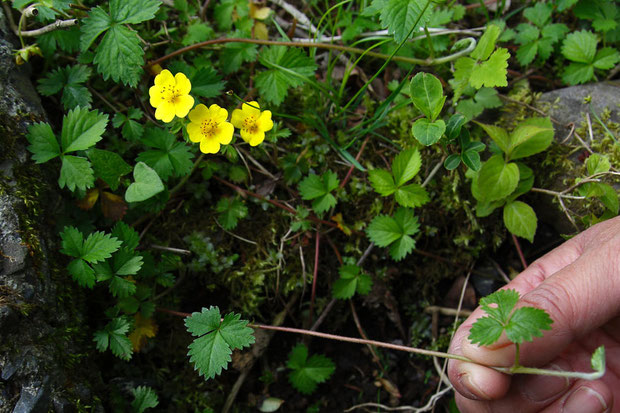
(579, 298)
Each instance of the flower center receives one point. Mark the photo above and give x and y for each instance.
(250, 124)
(208, 128)
(170, 94)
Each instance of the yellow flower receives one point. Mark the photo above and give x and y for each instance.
(170, 96)
(209, 127)
(252, 122)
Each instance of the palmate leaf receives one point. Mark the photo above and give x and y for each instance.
(144, 398)
(319, 190)
(395, 232)
(306, 373)
(230, 211)
(527, 323)
(114, 337)
(68, 80)
(217, 338)
(351, 281)
(288, 67)
(168, 157)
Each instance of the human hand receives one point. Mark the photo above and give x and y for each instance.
(578, 284)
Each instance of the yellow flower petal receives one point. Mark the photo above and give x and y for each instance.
(237, 118)
(225, 133)
(165, 112)
(183, 104)
(252, 108)
(257, 138)
(164, 78)
(194, 132)
(198, 113)
(183, 83)
(264, 121)
(209, 146)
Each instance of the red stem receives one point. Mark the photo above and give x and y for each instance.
(518, 246)
(357, 158)
(314, 276)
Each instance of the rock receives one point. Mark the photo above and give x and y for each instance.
(35, 348)
(567, 105)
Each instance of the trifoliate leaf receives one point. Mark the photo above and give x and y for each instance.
(126, 234)
(493, 72)
(114, 336)
(131, 129)
(70, 81)
(319, 189)
(169, 158)
(351, 281)
(539, 14)
(395, 232)
(67, 40)
(527, 323)
(82, 273)
(217, 338)
(230, 211)
(75, 172)
(406, 165)
(43, 143)
(144, 398)
(288, 67)
(147, 184)
(401, 17)
(306, 373)
(81, 129)
(382, 181)
(500, 304)
(109, 166)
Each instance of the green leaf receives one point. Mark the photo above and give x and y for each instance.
(43, 143)
(539, 14)
(580, 46)
(169, 158)
(452, 162)
(606, 58)
(211, 352)
(99, 246)
(597, 164)
(119, 56)
(122, 287)
(144, 398)
(427, 95)
(471, 159)
(351, 281)
(493, 72)
(426, 132)
(126, 234)
(496, 180)
(499, 136)
(288, 67)
(463, 68)
(486, 44)
(109, 166)
(235, 54)
(133, 11)
(131, 130)
(318, 189)
(114, 336)
(72, 241)
(96, 23)
(68, 80)
(75, 172)
(454, 125)
(576, 73)
(530, 137)
(82, 273)
(395, 232)
(147, 184)
(598, 360)
(412, 196)
(406, 165)
(527, 323)
(82, 129)
(485, 331)
(207, 83)
(382, 181)
(126, 262)
(230, 211)
(609, 198)
(520, 219)
(307, 373)
(400, 17)
(499, 305)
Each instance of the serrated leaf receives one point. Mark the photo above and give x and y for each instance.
(539, 14)
(318, 189)
(82, 273)
(606, 58)
(169, 158)
(43, 143)
(114, 336)
(99, 246)
(395, 232)
(119, 56)
(401, 17)
(351, 281)
(307, 373)
(126, 262)
(207, 83)
(580, 46)
(382, 181)
(75, 172)
(597, 164)
(109, 166)
(427, 95)
(406, 165)
(144, 398)
(412, 196)
(577, 73)
(485, 331)
(68, 80)
(493, 72)
(426, 132)
(527, 323)
(122, 287)
(609, 198)
(72, 241)
(499, 305)
(288, 67)
(82, 129)
(147, 184)
(126, 234)
(211, 352)
(133, 11)
(235, 54)
(230, 211)
(96, 23)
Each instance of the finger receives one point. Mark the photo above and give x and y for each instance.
(584, 397)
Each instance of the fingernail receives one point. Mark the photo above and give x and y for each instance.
(544, 388)
(467, 377)
(584, 400)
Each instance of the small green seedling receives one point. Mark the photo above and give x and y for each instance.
(519, 325)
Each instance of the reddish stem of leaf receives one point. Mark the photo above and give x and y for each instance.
(357, 158)
(519, 252)
(314, 276)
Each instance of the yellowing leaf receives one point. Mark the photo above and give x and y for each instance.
(260, 31)
(259, 13)
(143, 328)
(89, 199)
(113, 206)
(341, 226)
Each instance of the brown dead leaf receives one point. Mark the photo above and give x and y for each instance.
(143, 328)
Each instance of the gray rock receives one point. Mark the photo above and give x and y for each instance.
(567, 105)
